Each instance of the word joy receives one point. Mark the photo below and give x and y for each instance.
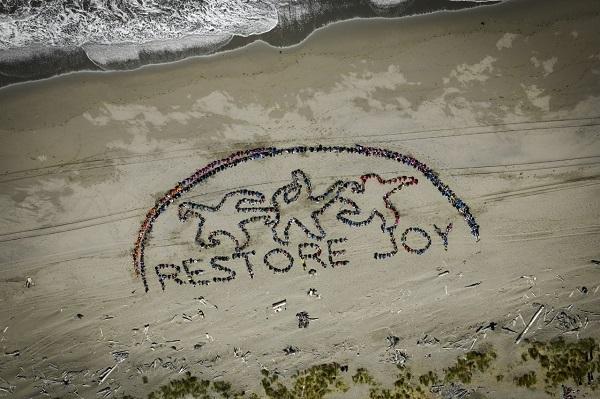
(291, 210)
(280, 260)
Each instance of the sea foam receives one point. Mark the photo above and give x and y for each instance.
(61, 23)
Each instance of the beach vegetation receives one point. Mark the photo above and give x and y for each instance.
(363, 376)
(404, 388)
(470, 363)
(556, 362)
(562, 361)
(527, 380)
(312, 383)
(429, 378)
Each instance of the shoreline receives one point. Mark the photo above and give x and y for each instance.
(501, 103)
(287, 34)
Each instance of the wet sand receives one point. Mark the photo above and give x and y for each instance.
(500, 101)
(295, 22)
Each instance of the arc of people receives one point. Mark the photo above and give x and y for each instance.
(240, 157)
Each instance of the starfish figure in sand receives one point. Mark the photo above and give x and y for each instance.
(211, 226)
(370, 198)
(295, 204)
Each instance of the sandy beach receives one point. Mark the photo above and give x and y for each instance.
(499, 104)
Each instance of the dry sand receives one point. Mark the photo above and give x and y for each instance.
(502, 101)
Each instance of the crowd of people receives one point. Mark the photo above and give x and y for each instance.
(214, 263)
(249, 197)
(334, 253)
(420, 231)
(399, 181)
(172, 272)
(315, 255)
(303, 319)
(292, 192)
(239, 157)
(389, 254)
(275, 269)
(443, 234)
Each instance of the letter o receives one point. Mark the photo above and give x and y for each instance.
(277, 269)
(410, 249)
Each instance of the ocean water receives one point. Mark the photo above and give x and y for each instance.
(40, 38)
(78, 22)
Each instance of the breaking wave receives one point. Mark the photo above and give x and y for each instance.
(43, 38)
(77, 22)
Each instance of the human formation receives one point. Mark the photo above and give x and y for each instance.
(422, 233)
(253, 202)
(289, 260)
(272, 213)
(194, 276)
(347, 193)
(245, 198)
(303, 319)
(443, 233)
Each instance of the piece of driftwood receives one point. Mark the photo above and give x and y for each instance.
(533, 319)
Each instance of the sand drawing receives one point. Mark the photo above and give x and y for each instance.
(293, 205)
